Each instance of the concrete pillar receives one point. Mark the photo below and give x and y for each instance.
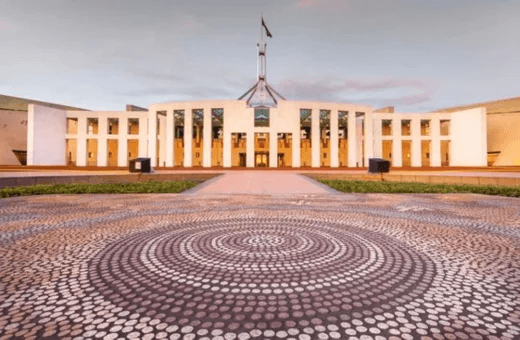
(315, 137)
(296, 152)
(416, 142)
(273, 150)
(142, 137)
(369, 137)
(250, 149)
(352, 149)
(377, 133)
(170, 131)
(435, 149)
(397, 150)
(188, 137)
(226, 156)
(152, 135)
(122, 140)
(102, 156)
(81, 156)
(207, 138)
(162, 139)
(334, 139)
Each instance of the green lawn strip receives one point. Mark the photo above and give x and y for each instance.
(104, 188)
(425, 188)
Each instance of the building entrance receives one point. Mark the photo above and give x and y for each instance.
(262, 159)
(242, 159)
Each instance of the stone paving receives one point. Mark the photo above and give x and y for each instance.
(348, 266)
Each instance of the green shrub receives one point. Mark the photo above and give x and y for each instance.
(105, 188)
(408, 187)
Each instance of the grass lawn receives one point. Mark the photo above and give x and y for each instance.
(418, 188)
(105, 188)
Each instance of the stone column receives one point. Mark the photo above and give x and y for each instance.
(250, 149)
(122, 142)
(435, 148)
(152, 135)
(162, 139)
(170, 131)
(377, 135)
(81, 153)
(296, 151)
(207, 138)
(352, 149)
(334, 139)
(102, 157)
(369, 137)
(273, 149)
(188, 137)
(143, 127)
(416, 142)
(397, 150)
(315, 137)
(226, 149)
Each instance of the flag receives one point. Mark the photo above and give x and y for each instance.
(266, 30)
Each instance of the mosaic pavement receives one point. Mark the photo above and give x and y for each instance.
(347, 266)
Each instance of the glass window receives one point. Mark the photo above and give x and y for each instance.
(72, 126)
(425, 127)
(405, 127)
(386, 126)
(133, 126)
(262, 117)
(92, 126)
(113, 126)
(445, 127)
(342, 124)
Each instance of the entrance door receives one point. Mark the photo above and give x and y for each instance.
(281, 162)
(242, 157)
(262, 159)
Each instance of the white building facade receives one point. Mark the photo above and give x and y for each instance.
(227, 133)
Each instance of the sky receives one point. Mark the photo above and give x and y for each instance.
(416, 55)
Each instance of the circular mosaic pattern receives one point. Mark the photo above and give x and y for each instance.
(260, 272)
(344, 267)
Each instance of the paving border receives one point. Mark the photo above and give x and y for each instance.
(432, 179)
(99, 179)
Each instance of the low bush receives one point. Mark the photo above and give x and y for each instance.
(416, 188)
(105, 188)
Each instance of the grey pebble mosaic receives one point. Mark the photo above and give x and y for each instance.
(257, 267)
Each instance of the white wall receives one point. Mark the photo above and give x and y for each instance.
(469, 138)
(46, 131)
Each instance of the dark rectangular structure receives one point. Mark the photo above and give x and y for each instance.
(376, 165)
(140, 165)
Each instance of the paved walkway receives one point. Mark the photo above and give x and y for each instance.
(461, 173)
(261, 183)
(252, 267)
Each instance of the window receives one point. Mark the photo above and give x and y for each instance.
(92, 126)
(445, 127)
(342, 124)
(425, 127)
(262, 117)
(405, 127)
(133, 126)
(386, 126)
(72, 126)
(113, 126)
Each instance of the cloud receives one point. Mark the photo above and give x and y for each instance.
(306, 3)
(383, 92)
(334, 5)
(169, 92)
(155, 76)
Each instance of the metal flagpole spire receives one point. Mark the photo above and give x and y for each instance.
(261, 94)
